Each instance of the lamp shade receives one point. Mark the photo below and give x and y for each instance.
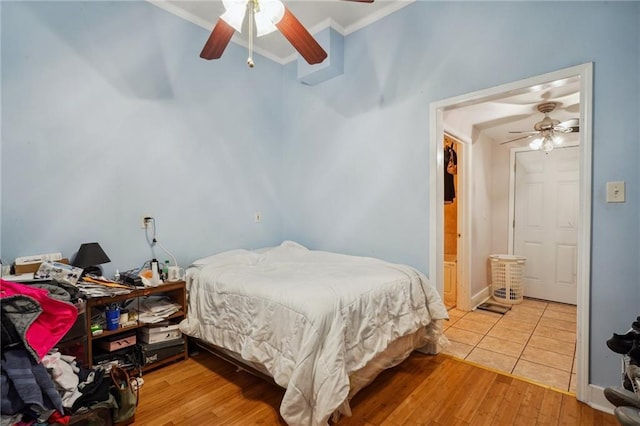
(90, 254)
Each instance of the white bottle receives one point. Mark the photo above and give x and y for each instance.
(155, 275)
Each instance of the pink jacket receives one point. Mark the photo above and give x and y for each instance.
(51, 325)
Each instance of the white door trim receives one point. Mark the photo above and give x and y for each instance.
(512, 190)
(436, 198)
(463, 225)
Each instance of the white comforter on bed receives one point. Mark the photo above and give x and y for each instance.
(310, 317)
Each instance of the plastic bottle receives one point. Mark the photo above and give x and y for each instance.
(155, 274)
(116, 276)
(165, 270)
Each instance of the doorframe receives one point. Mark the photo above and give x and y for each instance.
(436, 201)
(463, 298)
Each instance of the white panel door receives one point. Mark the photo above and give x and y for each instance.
(546, 222)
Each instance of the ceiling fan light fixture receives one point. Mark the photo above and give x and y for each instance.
(546, 142)
(234, 13)
(264, 25)
(536, 144)
(273, 10)
(548, 132)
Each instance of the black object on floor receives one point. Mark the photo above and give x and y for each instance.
(494, 307)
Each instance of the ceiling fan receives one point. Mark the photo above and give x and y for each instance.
(268, 16)
(546, 130)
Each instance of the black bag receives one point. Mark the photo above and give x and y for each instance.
(95, 417)
(126, 395)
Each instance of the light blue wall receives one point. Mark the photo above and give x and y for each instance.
(638, 162)
(356, 154)
(109, 114)
(97, 97)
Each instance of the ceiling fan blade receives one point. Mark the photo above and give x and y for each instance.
(517, 139)
(569, 126)
(361, 1)
(300, 38)
(533, 132)
(218, 40)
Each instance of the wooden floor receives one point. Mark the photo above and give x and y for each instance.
(424, 390)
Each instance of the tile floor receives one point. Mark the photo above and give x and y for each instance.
(536, 340)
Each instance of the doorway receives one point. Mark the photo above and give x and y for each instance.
(468, 255)
(452, 153)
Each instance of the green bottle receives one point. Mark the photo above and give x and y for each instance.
(165, 270)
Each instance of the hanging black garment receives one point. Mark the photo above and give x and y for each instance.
(449, 187)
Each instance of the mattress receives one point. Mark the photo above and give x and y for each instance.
(313, 320)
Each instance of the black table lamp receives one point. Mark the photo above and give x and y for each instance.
(89, 257)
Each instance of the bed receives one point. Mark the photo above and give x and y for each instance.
(322, 325)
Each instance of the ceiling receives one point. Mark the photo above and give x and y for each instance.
(515, 111)
(495, 118)
(343, 16)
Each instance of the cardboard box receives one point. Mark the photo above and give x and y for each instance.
(160, 334)
(116, 342)
(32, 268)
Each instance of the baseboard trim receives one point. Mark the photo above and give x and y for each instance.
(598, 401)
(480, 297)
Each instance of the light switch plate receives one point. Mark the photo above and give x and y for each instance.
(615, 192)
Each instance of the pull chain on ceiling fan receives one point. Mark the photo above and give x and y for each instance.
(547, 129)
(268, 16)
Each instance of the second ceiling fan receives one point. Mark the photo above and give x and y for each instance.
(268, 16)
(545, 131)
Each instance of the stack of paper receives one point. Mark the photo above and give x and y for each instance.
(96, 287)
(97, 290)
(153, 309)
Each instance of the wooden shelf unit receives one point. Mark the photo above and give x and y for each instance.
(176, 291)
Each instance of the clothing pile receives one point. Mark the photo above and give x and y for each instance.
(38, 384)
(626, 398)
